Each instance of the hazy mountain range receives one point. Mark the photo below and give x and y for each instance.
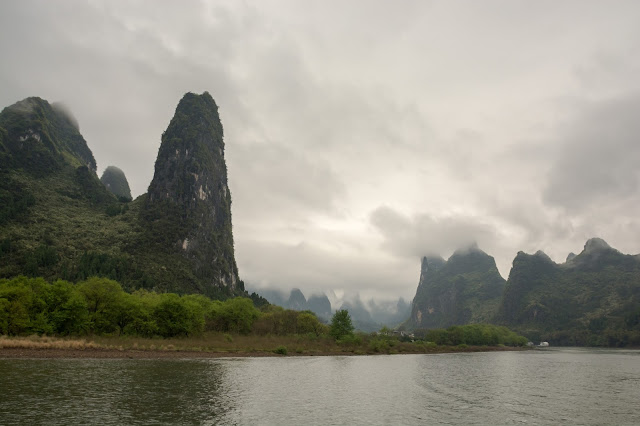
(367, 316)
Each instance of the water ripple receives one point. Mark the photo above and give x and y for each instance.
(570, 386)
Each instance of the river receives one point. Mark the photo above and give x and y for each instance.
(550, 386)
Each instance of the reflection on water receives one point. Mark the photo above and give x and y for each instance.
(111, 392)
(573, 386)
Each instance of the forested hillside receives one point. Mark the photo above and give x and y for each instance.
(58, 220)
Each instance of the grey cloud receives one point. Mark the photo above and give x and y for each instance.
(272, 179)
(92, 58)
(428, 235)
(599, 160)
(311, 268)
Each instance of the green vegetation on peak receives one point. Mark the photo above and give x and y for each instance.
(40, 138)
(589, 300)
(116, 182)
(464, 289)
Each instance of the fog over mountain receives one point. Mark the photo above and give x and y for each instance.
(363, 135)
(367, 316)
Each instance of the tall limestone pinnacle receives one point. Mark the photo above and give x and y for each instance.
(189, 201)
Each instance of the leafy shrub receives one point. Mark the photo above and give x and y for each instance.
(281, 350)
(379, 345)
(350, 340)
(279, 321)
(113, 210)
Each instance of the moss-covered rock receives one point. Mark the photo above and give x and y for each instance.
(116, 182)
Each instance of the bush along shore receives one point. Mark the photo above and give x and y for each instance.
(96, 318)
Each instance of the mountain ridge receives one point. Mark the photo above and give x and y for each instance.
(593, 298)
(58, 220)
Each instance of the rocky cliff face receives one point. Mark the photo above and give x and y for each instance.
(116, 182)
(189, 202)
(464, 289)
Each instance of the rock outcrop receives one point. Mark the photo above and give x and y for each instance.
(116, 182)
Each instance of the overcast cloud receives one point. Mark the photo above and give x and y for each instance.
(362, 135)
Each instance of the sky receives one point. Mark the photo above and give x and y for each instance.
(363, 135)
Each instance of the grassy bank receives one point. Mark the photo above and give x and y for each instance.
(213, 344)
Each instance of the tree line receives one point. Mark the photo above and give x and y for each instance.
(99, 306)
(473, 335)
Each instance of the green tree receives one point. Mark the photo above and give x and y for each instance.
(139, 309)
(237, 315)
(104, 298)
(25, 309)
(308, 323)
(4, 316)
(67, 309)
(172, 316)
(341, 325)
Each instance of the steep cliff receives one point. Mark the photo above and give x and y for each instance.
(464, 289)
(188, 206)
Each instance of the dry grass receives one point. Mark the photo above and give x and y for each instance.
(45, 342)
(219, 343)
(208, 342)
(224, 343)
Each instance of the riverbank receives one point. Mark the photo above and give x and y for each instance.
(211, 347)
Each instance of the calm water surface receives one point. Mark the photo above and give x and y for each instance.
(554, 386)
